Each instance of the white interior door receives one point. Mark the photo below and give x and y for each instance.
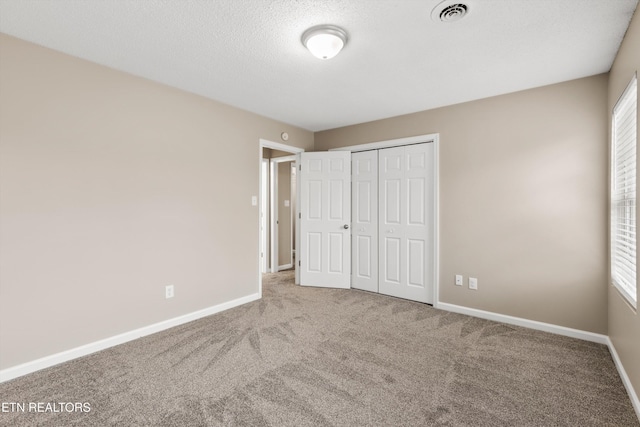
(364, 220)
(325, 216)
(406, 191)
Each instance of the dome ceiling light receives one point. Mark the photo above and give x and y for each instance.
(324, 41)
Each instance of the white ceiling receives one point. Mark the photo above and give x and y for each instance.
(248, 53)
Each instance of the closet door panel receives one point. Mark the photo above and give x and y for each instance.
(324, 220)
(406, 197)
(364, 211)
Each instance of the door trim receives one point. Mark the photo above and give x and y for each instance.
(264, 215)
(417, 139)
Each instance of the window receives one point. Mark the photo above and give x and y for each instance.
(623, 193)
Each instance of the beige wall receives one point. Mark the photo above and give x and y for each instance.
(523, 199)
(624, 322)
(111, 187)
(269, 153)
(278, 153)
(284, 213)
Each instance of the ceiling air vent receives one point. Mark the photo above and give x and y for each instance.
(453, 12)
(449, 12)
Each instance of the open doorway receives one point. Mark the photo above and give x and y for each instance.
(265, 255)
(281, 203)
(277, 207)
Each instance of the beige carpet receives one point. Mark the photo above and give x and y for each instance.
(321, 357)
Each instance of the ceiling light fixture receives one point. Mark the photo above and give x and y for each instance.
(324, 41)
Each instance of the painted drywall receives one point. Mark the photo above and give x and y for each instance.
(523, 199)
(284, 213)
(624, 321)
(277, 153)
(111, 187)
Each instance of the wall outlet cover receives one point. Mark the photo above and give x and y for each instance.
(168, 291)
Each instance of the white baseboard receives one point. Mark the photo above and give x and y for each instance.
(532, 324)
(625, 378)
(285, 267)
(74, 353)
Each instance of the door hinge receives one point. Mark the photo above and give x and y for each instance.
(299, 264)
(300, 167)
(300, 215)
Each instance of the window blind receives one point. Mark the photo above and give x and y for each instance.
(623, 193)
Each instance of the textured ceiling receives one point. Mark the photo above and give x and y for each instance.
(248, 53)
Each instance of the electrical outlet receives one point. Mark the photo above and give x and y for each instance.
(168, 291)
(459, 280)
(473, 283)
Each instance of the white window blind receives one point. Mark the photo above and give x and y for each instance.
(623, 193)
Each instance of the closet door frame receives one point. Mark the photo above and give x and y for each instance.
(428, 138)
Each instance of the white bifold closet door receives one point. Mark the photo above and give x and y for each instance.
(325, 215)
(364, 220)
(406, 232)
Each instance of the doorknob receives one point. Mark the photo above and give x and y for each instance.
(346, 226)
